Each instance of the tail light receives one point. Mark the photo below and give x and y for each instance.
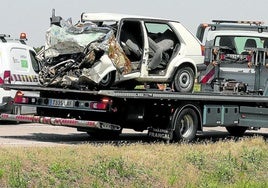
(7, 77)
(222, 57)
(98, 105)
(102, 105)
(19, 98)
(106, 100)
(249, 57)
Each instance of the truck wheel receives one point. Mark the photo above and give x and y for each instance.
(236, 130)
(185, 124)
(184, 80)
(107, 81)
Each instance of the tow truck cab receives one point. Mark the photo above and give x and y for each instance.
(235, 54)
(18, 66)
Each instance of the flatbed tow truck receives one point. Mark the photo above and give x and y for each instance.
(167, 115)
(174, 116)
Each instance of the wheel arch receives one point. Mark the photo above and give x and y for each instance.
(113, 77)
(107, 71)
(184, 64)
(194, 107)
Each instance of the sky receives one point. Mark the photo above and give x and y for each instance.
(32, 16)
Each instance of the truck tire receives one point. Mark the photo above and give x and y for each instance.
(184, 80)
(236, 130)
(107, 81)
(186, 124)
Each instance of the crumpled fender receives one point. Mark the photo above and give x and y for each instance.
(99, 70)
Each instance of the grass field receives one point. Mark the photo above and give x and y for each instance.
(242, 163)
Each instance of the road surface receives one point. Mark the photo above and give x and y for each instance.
(46, 135)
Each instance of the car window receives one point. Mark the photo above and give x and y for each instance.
(156, 29)
(239, 43)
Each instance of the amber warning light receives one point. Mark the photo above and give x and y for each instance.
(23, 36)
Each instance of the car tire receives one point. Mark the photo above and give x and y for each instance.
(184, 80)
(107, 81)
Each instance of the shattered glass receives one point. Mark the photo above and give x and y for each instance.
(80, 55)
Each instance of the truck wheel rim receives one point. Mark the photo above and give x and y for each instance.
(186, 125)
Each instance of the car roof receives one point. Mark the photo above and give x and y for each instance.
(98, 17)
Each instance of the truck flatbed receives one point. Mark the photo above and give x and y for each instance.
(153, 94)
(165, 114)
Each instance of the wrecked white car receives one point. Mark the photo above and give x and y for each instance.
(107, 50)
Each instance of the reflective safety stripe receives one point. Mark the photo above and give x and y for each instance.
(24, 78)
(209, 75)
(60, 121)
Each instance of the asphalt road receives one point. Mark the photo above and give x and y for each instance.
(46, 135)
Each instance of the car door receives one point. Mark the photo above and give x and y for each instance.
(131, 39)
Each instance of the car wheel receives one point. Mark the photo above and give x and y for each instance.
(236, 130)
(107, 81)
(185, 124)
(184, 80)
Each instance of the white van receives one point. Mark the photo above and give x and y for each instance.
(17, 66)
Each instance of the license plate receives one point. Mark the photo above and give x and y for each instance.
(233, 56)
(61, 102)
